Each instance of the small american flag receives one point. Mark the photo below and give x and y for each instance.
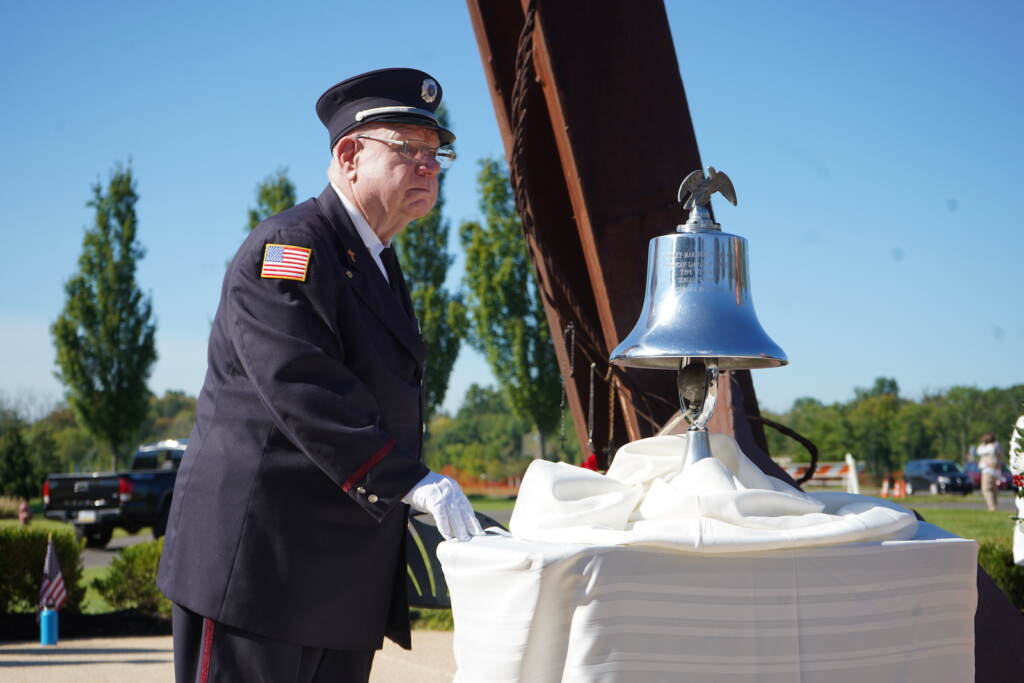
(285, 261)
(52, 592)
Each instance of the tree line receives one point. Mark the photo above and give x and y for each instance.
(885, 430)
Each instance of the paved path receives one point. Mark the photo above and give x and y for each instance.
(151, 660)
(102, 557)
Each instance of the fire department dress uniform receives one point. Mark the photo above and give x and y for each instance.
(287, 522)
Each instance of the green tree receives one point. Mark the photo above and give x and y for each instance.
(508, 323)
(882, 386)
(872, 422)
(912, 434)
(961, 415)
(274, 194)
(42, 450)
(482, 440)
(825, 425)
(17, 476)
(171, 416)
(105, 335)
(423, 251)
(70, 447)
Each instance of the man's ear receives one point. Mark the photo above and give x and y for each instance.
(345, 155)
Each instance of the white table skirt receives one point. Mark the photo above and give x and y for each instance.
(900, 611)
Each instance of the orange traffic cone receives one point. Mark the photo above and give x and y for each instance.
(885, 489)
(900, 489)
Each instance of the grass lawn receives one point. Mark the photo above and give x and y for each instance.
(927, 499)
(93, 603)
(489, 504)
(981, 525)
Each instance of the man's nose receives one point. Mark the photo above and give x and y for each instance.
(428, 166)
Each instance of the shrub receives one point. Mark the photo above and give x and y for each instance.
(996, 558)
(23, 552)
(131, 581)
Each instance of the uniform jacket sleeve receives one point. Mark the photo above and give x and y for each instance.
(286, 336)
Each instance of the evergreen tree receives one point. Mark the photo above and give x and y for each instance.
(423, 251)
(273, 195)
(105, 335)
(508, 322)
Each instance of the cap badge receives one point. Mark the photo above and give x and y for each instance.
(429, 90)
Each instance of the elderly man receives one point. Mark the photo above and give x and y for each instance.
(284, 555)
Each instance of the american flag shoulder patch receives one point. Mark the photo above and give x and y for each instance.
(285, 261)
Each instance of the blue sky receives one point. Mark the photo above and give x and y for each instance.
(875, 148)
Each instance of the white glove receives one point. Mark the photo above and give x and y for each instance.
(443, 499)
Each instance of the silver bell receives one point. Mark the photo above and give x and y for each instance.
(697, 303)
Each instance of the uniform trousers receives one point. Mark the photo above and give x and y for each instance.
(206, 651)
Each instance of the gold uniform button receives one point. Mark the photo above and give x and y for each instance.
(372, 498)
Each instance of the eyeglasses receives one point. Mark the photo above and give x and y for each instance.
(420, 152)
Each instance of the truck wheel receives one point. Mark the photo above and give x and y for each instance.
(160, 525)
(95, 535)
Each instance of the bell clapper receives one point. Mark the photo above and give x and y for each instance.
(697, 384)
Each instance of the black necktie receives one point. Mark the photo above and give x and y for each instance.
(387, 257)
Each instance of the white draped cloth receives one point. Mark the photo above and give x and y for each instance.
(722, 504)
(713, 573)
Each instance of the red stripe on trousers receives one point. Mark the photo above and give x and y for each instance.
(207, 654)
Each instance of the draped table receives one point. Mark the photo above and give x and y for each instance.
(535, 611)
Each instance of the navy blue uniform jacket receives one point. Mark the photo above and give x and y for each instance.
(287, 518)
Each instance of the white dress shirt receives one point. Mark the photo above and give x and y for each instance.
(366, 233)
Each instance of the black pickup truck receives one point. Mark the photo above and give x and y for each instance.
(99, 501)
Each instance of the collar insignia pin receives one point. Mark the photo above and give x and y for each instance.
(351, 255)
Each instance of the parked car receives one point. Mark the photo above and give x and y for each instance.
(97, 502)
(974, 472)
(935, 476)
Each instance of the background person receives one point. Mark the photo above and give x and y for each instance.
(991, 465)
(284, 554)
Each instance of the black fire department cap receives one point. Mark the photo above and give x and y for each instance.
(389, 95)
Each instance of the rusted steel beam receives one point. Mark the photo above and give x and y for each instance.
(598, 137)
(610, 79)
(554, 244)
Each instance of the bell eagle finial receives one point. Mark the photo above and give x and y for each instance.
(700, 188)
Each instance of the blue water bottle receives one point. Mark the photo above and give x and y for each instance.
(48, 626)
